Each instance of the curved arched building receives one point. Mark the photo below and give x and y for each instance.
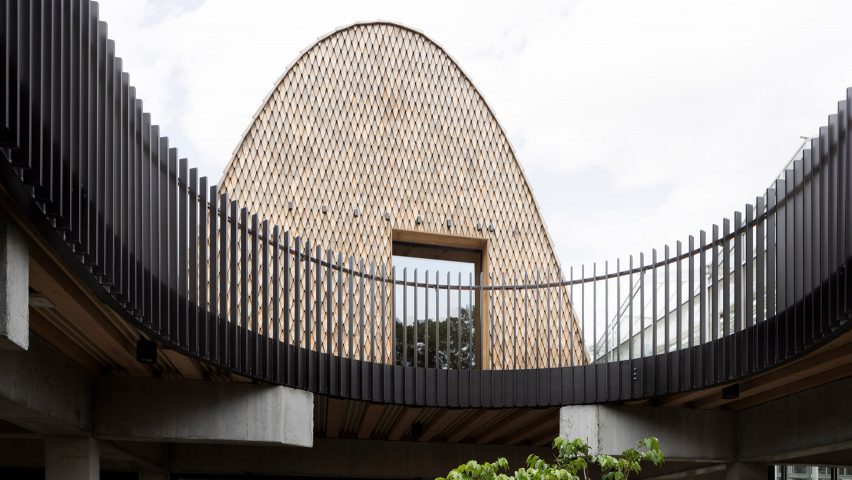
(375, 139)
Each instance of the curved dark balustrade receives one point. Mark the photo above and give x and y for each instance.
(202, 275)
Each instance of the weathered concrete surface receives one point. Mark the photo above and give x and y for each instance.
(813, 422)
(71, 458)
(14, 288)
(344, 458)
(42, 391)
(747, 471)
(814, 425)
(142, 409)
(685, 434)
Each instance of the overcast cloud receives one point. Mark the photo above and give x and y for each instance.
(637, 122)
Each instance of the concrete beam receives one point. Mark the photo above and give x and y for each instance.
(349, 458)
(76, 458)
(143, 409)
(14, 288)
(685, 434)
(747, 471)
(815, 422)
(41, 391)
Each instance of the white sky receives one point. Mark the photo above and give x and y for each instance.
(638, 123)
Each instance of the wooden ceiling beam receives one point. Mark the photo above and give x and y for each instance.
(480, 419)
(544, 426)
(784, 390)
(49, 280)
(789, 376)
(444, 420)
(521, 419)
(372, 415)
(335, 409)
(403, 424)
(45, 329)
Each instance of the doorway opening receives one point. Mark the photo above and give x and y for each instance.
(437, 321)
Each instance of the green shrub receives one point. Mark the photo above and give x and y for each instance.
(572, 462)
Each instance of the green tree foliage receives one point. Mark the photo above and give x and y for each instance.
(458, 353)
(572, 462)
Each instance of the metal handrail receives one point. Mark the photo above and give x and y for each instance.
(205, 276)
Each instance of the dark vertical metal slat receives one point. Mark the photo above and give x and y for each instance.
(726, 297)
(748, 303)
(560, 333)
(340, 370)
(832, 204)
(845, 114)
(254, 364)
(154, 217)
(288, 361)
(169, 242)
(350, 382)
(642, 352)
(392, 318)
(385, 386)
(819, 148)
(667, 315)
(690, 292)
(549, 319)
(654, 295)
(224, 250)
(213, 318)
(618, 280)
(781, 272)
(296, 368)
(448, 324)
(630, 352)
(277, 357)
(514, 324)
(404, 317)
(306, 373)
(414, 322)
(458, 323)
(714, 306)
(315, 356)
(736, 345)
(237, 270)
(185, 266)
(808, 219)
(266, 361)
(437, 320)
(666, 296)
(372, 390)
(203, 310)
(679, 296)
(426, 321)
(318, 313)
(336, 377)
(770, 267)
(361, 345)
(702, 304)
(372, 320)
(327, 373)
(478, 328)
(573, 315)
(760, 260)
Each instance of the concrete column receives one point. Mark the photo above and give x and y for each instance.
(747, 471)
(71, 458)
(14, 288)
(153, 476)
(685, 434)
